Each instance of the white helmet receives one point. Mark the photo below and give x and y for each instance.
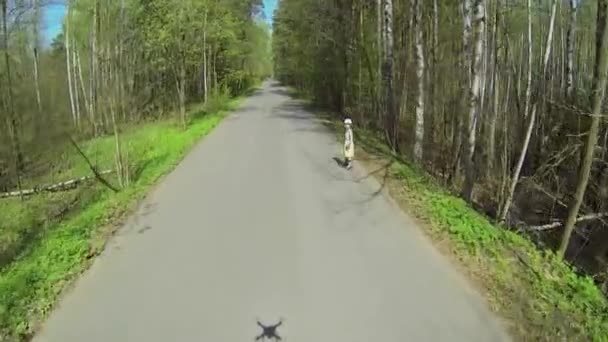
(348, 121)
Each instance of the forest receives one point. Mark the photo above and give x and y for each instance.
(116, 62)
(91, 118)
(501, 101)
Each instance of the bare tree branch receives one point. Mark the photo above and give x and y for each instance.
(91, 167)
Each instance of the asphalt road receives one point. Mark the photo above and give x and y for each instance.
(259, 222)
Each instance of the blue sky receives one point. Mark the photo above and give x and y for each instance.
(51, 21)
(269, 7)
(53, 17)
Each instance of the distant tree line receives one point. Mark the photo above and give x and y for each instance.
(115, 63)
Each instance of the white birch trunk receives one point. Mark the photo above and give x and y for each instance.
(69, 67)
(532, 121)
(391, 121)
(82, 86)
(571, 37)
(474, 102)
(420, 74)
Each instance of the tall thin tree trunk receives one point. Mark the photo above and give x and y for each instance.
(113, 89)
(181, 89)
(505, 162)
(181, 77)
(520, 162)
(549, 38)
(492, 123)
(484, 73)
(597, 99)
(13, 120)
(380, 47)
(93, 77)
(434, 83)
(532, 121)
(214, 70)
(544, 85)
(495, 90)
(40, 121)
(37, 85)
(391, 116)
(82, 86)
(68, 64)
(571, 37)
(360, 67)
(465, 64)
(75, 87)
(348, 22)
(466, 41)
(474, 102)
(419, 133)
(118, 157)
(530, 59)
(205, 64)
(601, 22)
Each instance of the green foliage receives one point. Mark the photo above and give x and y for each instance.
(124, 58)
(334, 58)
(174, 34)
(309, 51)
(217, 101)
(109, 80)
(30, 285)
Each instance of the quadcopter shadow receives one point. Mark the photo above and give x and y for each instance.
(269, 332)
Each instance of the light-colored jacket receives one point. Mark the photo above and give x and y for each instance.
(349, 144)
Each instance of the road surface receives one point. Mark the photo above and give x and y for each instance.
(259, 222)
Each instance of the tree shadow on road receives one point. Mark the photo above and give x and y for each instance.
(386, 169)
(293, 110)
(253, 92)
(281, 91)
(357, 205)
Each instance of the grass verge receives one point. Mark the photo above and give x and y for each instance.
(53, 250)
(540, 297)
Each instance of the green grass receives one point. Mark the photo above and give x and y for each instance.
(52, 250)
(541, 297)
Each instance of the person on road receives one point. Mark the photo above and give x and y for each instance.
(349, 144)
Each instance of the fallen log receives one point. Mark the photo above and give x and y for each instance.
(62, 186)
(556, 224)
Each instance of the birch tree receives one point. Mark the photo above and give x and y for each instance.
(13, 120)
(474, 100)
(486, 88)
(102, 65)
(420, 74)
(388, 73)
(599, 90)
(570, 48)
(532, 119)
